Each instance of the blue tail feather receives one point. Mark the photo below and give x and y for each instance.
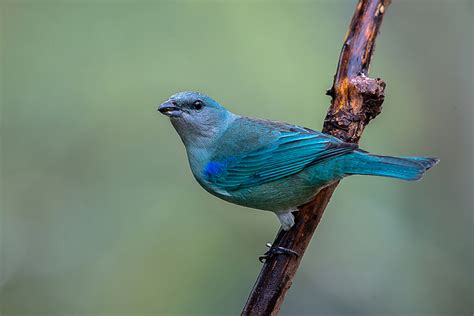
(406, 168)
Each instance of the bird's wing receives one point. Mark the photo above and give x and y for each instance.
(291, 150)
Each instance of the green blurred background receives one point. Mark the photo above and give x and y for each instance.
(100, 214)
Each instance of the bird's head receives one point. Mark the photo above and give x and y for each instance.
(195, 115)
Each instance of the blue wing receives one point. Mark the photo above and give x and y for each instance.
(290, 152)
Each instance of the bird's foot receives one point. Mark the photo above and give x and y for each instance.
(275, 251)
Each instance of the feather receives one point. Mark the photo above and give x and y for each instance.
(290, 152)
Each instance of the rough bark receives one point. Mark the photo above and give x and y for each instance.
(356, 99)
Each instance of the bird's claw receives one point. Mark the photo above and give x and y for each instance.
(275, 251)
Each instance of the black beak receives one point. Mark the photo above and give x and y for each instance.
(169, 108)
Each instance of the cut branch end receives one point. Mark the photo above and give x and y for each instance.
(356, 99)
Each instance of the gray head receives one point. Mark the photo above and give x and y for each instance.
(195, 116)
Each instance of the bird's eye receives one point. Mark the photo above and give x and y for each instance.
(198, 104)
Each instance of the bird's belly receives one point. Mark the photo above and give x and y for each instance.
(271, 197)
(277, 195)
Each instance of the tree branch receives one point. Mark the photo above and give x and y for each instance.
(356, 99)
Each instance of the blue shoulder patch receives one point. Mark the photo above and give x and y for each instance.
(214, 169)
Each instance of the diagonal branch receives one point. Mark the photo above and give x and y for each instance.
(356, 99)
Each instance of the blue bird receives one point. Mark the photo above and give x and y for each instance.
(270, 165)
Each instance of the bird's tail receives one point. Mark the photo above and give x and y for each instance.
(406, 168)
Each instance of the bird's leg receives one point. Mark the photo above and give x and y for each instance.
(286, 218)
(287, 221)
(274, 251)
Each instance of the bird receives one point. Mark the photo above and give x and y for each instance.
(271, 165)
